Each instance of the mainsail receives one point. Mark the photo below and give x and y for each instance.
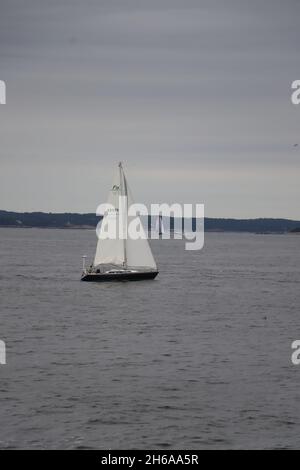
(122, 250)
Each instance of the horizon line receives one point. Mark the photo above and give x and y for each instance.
(205, 217)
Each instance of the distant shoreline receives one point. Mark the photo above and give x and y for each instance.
(74, 221)
(68, 227)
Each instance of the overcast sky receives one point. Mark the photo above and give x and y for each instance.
(193, 96)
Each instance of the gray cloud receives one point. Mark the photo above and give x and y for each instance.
(193, 96)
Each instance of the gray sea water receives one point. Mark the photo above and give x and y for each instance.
(198, 358)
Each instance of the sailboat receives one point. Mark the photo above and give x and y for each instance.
(120, 258)
(160, 229)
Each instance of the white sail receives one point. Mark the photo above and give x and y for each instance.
(138, 251)
(111, 251)
(125, 252)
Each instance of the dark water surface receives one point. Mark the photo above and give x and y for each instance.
(199, 358)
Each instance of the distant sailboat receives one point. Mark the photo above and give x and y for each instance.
(159, 225)
(120, 258)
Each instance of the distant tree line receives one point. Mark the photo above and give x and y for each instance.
(69, 220)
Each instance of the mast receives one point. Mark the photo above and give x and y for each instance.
(123, 184)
